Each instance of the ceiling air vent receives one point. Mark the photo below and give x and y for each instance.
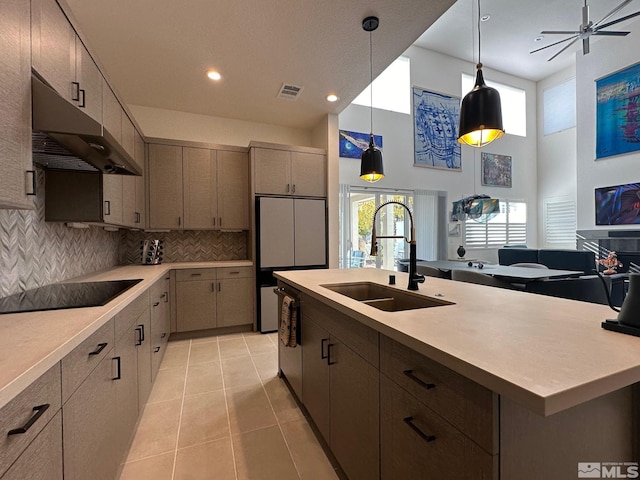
(289, 92)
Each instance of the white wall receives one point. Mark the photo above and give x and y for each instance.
(607, 56)
(557, 155)
(160, 123)
(443, 74)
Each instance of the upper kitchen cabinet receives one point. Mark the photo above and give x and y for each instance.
(62, 60)
(17, 181)
(213, 188)
(294, 171)
(133, 188)
(164, 174)
(111, 112)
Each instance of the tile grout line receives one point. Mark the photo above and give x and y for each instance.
(284, 438)
(184, 388)
(226, 404)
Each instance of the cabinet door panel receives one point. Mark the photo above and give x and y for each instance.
(53, 46)
(89, 427)
(42, 460)
(310, 232)
(165, 186)
(111, 112)
(140, 182)
(233, 190)
(308, 174)
(276, 232)
(90, 80)
(126, 391)
(15, 98)
(129, 217)
(112, 199)
(315, 372)
(200, 196)
(196, 309)
(143, 323)
(354, 406)
(272, 171)
(235, 306)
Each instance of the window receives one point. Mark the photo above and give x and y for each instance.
(559, 107)
(559, 223)
(391, 90)
(508, 227)
(513, 101)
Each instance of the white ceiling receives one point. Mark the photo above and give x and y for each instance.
(156, 52)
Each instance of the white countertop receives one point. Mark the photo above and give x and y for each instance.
(32, 342)
(546, 353)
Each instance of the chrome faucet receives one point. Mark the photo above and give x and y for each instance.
(414, 278)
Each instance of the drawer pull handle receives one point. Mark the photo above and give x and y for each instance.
(119, 371)
(166, 297)
(411, 375)
(140, 335)
(196, 274)
(156, 350)
(414, 427)
(163, 335)
(322, 355)
(101, 346)
(155, 304)
(40, 409)
(329, 362)
(234, 273)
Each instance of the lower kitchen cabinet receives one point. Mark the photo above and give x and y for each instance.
(42, 460)
(90, 419)
(160, 321)
(143, 346)
(340, 390)
(214, 297)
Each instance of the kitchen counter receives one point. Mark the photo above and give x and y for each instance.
(31, 343)
(547, 354)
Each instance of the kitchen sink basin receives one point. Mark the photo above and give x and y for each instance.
(385, 298)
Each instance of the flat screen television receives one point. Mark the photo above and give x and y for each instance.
(618, 205)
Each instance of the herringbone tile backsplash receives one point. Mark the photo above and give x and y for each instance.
(35, 253)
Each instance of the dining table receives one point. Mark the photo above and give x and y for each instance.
(508, 272)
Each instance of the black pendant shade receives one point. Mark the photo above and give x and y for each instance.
(480, 114)
(371, 161)
(371, 168)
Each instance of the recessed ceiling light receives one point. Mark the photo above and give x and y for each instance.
(213, 75)
(332, 98)
(538, 39)
(485, 17)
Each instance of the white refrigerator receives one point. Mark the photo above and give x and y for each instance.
(291, 234)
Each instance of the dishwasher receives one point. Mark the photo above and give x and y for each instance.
(290, 358)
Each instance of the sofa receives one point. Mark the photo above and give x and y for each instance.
(587, 287)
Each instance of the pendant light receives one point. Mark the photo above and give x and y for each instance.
(480, 112)
(371, 168)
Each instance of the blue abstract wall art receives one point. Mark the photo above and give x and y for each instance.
(352, 144)
(618, 113)
(435, 130)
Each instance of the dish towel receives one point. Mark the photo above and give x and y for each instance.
(289, 322)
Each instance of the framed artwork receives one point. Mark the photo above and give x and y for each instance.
(352, 144)
(496, 170)
(435, 130)
(618, 113)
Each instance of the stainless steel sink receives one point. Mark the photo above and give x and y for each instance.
(385, 298)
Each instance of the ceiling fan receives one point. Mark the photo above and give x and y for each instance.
(588, 28)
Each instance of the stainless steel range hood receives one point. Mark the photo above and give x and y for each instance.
(77, 132)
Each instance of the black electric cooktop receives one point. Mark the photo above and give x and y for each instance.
(59, 296)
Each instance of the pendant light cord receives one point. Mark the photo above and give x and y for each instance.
(371, 82)
(479, 39)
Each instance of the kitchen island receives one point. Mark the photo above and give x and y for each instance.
(540, 385)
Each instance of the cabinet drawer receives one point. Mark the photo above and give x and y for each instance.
(19, 411)
(42, 460)
(360, 338)
(126, 317)
(417, 444)
(195, 274)
(470, 407)
(235, 272)
(85, 357)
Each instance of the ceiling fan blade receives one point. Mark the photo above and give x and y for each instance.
(563, 49)
(613, 22)
(612, 34)
(613, 12)
(555, 43)
(585, 46)
(562, 32)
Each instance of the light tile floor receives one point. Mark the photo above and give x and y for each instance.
(218, 411)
